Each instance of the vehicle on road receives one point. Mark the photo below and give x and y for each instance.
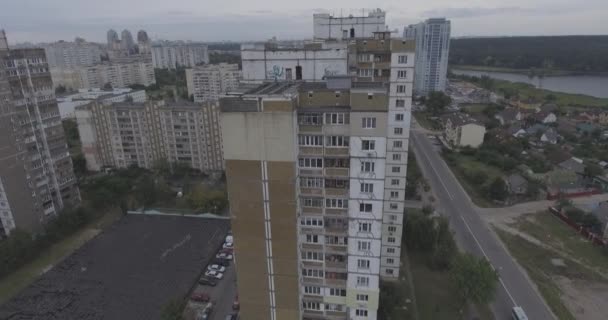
(214, 274)
(222, 255)
(227, 245)
(216, 267)
(236, 305)
(207, 282)
(519, 314)
(229, 239)
(233, 316)
(205, 312)
(200, 297)
(226, 250)
(221, 262)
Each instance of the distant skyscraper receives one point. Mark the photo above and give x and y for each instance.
(112, 38)
(126, 42)
(143, 42)
(432, 49)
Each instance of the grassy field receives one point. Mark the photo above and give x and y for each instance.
(553, 232)
(527, 91)
(474, 107)
(464, 163)
(12, 284)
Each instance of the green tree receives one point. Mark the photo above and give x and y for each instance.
(145, 191)
(60, 89)
(497, 190)
(80, 165)
(486, 83)
(437, 101)
(172, 310)
(474, 278)
(593, 170)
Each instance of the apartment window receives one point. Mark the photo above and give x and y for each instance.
(310, 93)
(400, 89)
(370, 96)
(312, 290)
(312, 255)
(337, 183)
(396, 169)
(367, 187)
(363, 282)
(337, 292)
(392, 217)
(336, 203)
(390, 250)
(402, 59)
(397, 144)
(312, 238)
(390, 239)
(399, 117)
(368, 145)
(313, 273)
(365, 227)
(310, 163)
(365, 72)
(362, 297)
(361, 313)
(337, 118)
(394, 194)
(364, 245)
(364, 57)
(315, 119)
(337, 163)
(402, 74)
(389, 271)
(394, 182)
(312, 222)
(396, 156)
(365, 207)
(363, 264)
(309, 305)
(310, 182)
(310, 140)
(392, 229)
(337, 94)
(367, 166)
(337, 141)
(398, 131)
(312, 202)
(368, 123)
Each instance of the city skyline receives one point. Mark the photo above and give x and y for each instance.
(66, 19)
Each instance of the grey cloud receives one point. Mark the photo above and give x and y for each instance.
(481, 12)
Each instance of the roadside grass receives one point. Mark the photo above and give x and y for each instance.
(474, 107)
(424, 119)
(537, 263)
(17, 281)
(553, 232)
(463, 163)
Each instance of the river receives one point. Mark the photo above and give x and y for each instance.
(596, 86)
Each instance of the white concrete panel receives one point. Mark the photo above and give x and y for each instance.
(357, 151)
(374, 265)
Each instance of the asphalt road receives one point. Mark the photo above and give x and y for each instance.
(222, 295)
(473, 235)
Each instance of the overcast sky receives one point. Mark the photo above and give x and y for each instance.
(207, 20)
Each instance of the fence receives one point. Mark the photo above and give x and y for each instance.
(584, 232)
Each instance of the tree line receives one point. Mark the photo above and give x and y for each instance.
(572, 53)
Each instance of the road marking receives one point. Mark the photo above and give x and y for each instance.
(487, 258)
(436, 173)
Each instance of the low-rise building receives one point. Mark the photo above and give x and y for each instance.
(127, 133)
(209, 82)
(68, 103)
(573, 164)
(508, 116)
(550, 136)
(517, 184)
(461, 130)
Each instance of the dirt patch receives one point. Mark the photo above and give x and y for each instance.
(585, 299)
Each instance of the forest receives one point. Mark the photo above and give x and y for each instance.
(584, 54)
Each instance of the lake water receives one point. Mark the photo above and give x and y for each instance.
(596, 86)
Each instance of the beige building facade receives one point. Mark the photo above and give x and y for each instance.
(209, 82)
(117, 74)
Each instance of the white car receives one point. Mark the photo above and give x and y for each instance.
(227, 245)
(222, 255)
(229, 239)
(214, 274)
(216, 267)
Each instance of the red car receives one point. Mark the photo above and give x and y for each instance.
(199, 297)
(236, 305)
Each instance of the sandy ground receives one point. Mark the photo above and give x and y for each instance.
(586, 300)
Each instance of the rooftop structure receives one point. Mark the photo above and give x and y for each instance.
(328, 26)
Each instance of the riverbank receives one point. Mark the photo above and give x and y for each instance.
(547, 73)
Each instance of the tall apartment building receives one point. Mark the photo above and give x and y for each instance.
(68, 103)
(118, 74)
(113, 40)
(143, 42)
(312, 62)
(170, 55)
(36, 175)
(126, 42)
(209, 82)
(316, 176)
(64, 54)
(327, 26)
(432, 51)
(122, 134)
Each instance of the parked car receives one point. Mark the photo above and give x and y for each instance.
(222, 255)
(216, 267)
(221, 262)
(226, 250)
(205, 313)
(214, 274)
(199, 297)
(236, 305)
(227, 245)
(233, 316)
(229, 239)
(207, 282)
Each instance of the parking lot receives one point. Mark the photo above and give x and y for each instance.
(222, 295)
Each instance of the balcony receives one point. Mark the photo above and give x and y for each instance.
(311, 191)
(310, 171)
(311, 246)
(330, 248)
(337, 172)
(307, 151)
(315, 281)
(309, 210)
(336, 266)
(310, 129)
(335, 282)
(336, 212)
(336, 192)
(337, 151)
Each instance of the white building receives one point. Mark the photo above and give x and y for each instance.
(72, 54)
(209, 82)
(266, 61)
(170, 55)
(432, 50)
(119, 75)
(327, 26)
(67, 104)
